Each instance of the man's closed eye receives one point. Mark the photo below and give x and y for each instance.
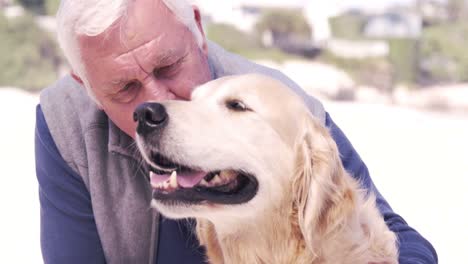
(128, 92)
(170, 70)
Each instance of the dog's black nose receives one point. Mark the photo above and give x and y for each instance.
(150, 116)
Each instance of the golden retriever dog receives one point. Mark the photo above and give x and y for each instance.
(262, 177)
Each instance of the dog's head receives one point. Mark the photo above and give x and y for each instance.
(231, 151)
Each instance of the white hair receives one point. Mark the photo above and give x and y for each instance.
(93, 17)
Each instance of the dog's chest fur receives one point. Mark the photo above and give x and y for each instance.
(283, 244)
(278, 239)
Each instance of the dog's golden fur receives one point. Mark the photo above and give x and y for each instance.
(325, 219)
(308, 208)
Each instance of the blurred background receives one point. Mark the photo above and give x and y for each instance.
(392, 73)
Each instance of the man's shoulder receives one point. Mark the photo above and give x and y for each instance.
(71, 116)
(66, 102)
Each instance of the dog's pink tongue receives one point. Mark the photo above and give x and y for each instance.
(186, 180)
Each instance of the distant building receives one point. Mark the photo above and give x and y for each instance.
(393, 25)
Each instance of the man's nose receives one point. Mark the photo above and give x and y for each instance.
(150, 117)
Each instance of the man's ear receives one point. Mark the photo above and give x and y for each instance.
(80, 81)
(198, 20)
(76, 77)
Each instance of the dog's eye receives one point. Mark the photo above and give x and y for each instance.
(236, 105)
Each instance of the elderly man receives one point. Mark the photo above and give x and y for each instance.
(93, 191)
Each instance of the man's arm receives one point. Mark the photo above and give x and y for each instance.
(413, 248)
(68, 230)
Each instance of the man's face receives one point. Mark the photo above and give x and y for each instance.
(147, 56)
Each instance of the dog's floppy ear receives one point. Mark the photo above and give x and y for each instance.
(322, 194)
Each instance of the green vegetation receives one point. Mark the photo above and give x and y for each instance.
(347, 26)
(375, 72)
(440, 55)
(51, 7)
(404, 59)
(279, 22)
(244, 44)
(231, 38)
(29, 57)
(399, 67)
(284, 22)
(444, 54)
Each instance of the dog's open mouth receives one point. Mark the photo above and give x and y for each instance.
(176, 182)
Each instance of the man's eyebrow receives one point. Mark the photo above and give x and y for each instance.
(165, 58)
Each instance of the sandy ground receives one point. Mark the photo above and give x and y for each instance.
(418, 160)
(19, 222)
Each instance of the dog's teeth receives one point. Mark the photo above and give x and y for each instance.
(155, 185)
(213, 182)
(173, 180)
(166, 184)
(204, 183)
(228, 175)
(216, 180)
(219, 179)
(223, 177)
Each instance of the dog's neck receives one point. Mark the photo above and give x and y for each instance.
(259, 241)
(275, 237)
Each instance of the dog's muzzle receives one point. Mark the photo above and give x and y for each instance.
(150, 117)
(185, 183)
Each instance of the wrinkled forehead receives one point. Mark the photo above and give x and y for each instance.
(143, 20)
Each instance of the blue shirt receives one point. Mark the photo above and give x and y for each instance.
(69, 233)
